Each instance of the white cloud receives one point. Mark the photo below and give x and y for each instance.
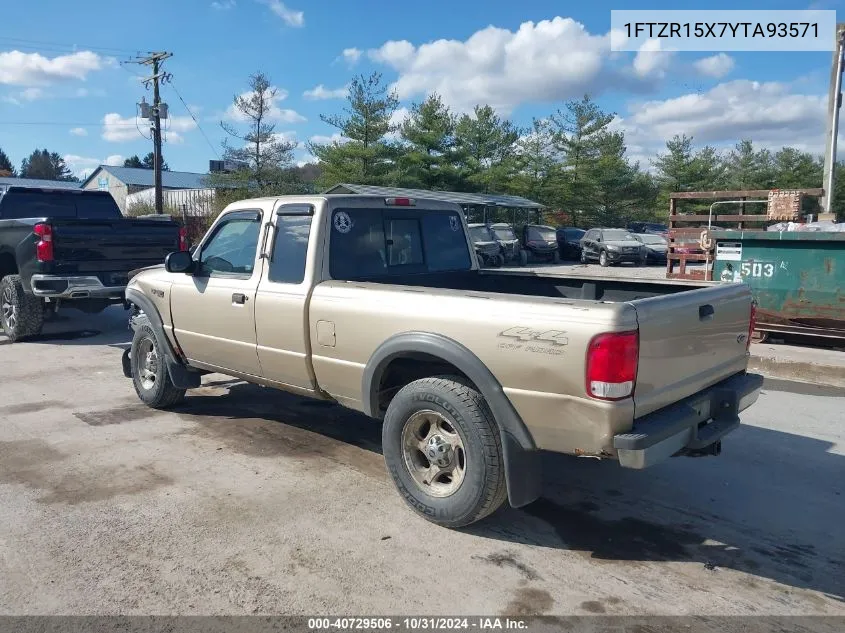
(351, 55)
(83, 166)
(79, 131)
(175, 126)
(275, 113)
(307, 159)
(768, 113)
(542, 62)
(715, 66)
(321, 92)
(81, 92)
(32, 94)
(117, 129)
(290, 16)
(224, 5)
(651, 60)
(321, 139)
(396, 119)
(33, 69)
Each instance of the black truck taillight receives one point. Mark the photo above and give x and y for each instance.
(44, 246)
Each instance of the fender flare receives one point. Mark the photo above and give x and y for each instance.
(521, 456)
(181, 376)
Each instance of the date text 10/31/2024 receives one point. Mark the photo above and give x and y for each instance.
(417, 623)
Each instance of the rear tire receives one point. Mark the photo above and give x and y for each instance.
(556, 258)
(21, 314)
(523, 258)
(603, 261)
(149, 373)
(444, 418)
(499, 261)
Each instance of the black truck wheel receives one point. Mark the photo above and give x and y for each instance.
(443, 450)
(149, 373)
(21, 314)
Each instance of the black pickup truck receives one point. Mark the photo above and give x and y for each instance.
(74, 248)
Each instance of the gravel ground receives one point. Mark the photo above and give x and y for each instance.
(248, 500)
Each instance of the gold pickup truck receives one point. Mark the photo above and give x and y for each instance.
(378, 304)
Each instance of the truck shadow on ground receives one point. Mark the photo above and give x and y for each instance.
(72, 327)
(773, 509)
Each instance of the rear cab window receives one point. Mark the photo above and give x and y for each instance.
(382, 242)
(50, 204)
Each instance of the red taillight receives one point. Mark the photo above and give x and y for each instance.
(44, 247)
(612, 365)
(183, 238)
(400, 202)
(751, 324)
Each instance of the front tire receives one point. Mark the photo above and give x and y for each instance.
(21, 314)
(149, 373)
(583, 257)
(443, 450)
(603, 261)
(556, 258)
(523, 258)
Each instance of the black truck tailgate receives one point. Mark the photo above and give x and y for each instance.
(98, 246)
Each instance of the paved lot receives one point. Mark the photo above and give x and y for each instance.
(251, 501)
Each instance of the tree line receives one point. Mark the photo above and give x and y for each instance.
(45, 165)
(574, 160)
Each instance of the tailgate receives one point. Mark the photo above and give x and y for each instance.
(94, 246)
(690, 341)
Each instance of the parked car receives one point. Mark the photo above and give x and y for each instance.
(73, 248)
(648, 227)
(474, 373)
(569, 242)
(486, 247)
(611, 246)
(540, 242)
(512, 250)
(655, 247)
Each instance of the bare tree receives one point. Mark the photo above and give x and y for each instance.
(266, 155)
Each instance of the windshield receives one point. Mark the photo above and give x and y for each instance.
(574, 234)
(652, 239)
(618, 235)
(480, 234)
(545, 233)
(504, 233)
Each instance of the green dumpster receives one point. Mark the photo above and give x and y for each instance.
(797, 277)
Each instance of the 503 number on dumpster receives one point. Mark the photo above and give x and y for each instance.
(757, 269)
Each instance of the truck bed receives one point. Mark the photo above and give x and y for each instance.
(691, 336)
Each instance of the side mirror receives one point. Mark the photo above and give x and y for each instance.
(179, 262)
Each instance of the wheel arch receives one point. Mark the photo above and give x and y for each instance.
(521, 457)
(181, 376)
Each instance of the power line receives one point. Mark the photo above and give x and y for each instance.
(67, 123)
(199, 127)
(28, 43)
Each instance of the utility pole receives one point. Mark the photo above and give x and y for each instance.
(834, 103)
(156, 113)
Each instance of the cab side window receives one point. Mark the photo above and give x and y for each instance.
(232, 248)
(290, 249)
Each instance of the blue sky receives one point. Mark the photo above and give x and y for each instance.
(61, 85)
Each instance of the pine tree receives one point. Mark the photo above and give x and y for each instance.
(427, 161)
(267, 157)
(365, 155)
(485, 147)
(7, 169)
(45, 165)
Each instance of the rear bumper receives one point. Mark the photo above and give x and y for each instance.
(74, 287)
(692, 426)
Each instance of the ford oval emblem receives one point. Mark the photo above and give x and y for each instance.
(741, 338)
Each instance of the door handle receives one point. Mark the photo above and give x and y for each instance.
(239, 298)
(705, 312)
